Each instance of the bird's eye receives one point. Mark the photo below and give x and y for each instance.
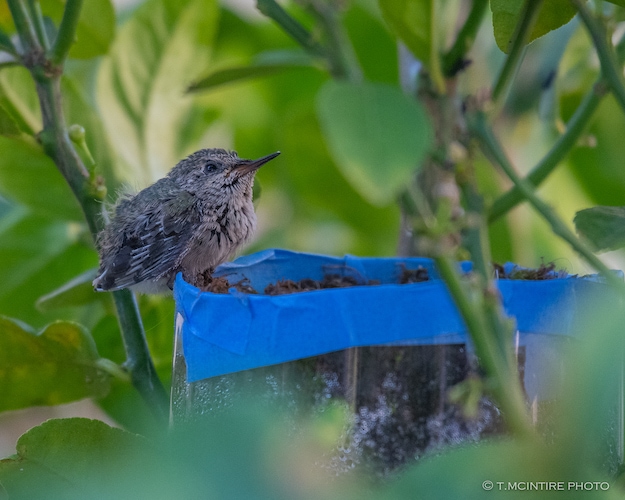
(210, 167)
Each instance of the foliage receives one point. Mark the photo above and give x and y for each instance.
(364, 138)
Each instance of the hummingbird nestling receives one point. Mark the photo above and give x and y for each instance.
(190, 221)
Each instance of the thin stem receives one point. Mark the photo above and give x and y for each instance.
(138, 360)
(58, 146)
(37, 17)
(67, 32)
(521, 36)
(435, 58)
(23, 25)
(340, 53)
(556, 154)
(453, 60)
(610, 67)
(493, 150)
(506, 389)
(291, 26)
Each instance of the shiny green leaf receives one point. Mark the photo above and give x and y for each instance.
(377, 135)
(603, 227)
(54, 366)
(506, 16)
(158, 52)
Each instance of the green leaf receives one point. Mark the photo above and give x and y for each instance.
(265, 65)
(54, 366)
(75, 458)
(377, 136)
(8, 125)
(620, 3)
(31, 178)
(603, 227)
(19, 97)
(95, 30)
(158, 52)
(412, 21)
(506, 16)
(39, 254)
(76, 292)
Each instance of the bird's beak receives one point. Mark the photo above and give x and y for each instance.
(247, 166)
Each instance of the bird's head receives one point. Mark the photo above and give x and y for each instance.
(218, 172)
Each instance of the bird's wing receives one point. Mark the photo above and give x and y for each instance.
(152, 245)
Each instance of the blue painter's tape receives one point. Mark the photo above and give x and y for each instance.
(225, 333)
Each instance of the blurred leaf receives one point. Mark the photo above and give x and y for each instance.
(412, 21)
(599, 168)
(374, 45)
(8, 126)
(38, 254)
(620, 3)
(30, 177)
(603, 227)
(377, 135)
(264, 66)
(506, 16)
(230, 75)
(19, 97)
(241, 452)
(54, 366)
(75, 458)
(77, 291)
(163, 47)
(96, 26)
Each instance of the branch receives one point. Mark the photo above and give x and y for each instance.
(37, 17)
(57, 145)
(340, 53)
(506, 389)
(493, 150)
(610, 67)
(23, 25)
(67, 32)
(291, 26)
(560, 149)
(453, 60)
(520, 39)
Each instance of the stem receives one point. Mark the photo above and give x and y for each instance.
(506, 389)
(520, 39)
(340, 53)
(610, 67)
(23, 25)
(291, 26)
(560, 149)
(435, 59)
(58, 146)
(453, 60)
(138, 360)
(37, 16)
(67, 32)
(493, 150)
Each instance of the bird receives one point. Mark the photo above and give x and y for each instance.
(190, 221)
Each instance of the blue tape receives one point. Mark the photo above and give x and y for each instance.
(225, 333)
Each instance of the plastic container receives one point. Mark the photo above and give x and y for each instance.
(390, 351)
